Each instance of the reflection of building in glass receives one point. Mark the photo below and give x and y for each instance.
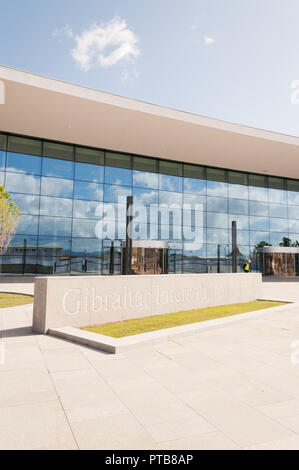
(190, 178)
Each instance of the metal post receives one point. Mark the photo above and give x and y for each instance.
(166, 254)
(24, 254)
(111, 267)
(234, 246)
(218, 259)
(128, 250)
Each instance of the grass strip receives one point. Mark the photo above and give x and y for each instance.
(14, 300)
(169, 320)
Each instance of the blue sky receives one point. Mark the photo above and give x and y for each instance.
(229, 59)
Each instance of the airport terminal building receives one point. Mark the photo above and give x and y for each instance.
(75, 159)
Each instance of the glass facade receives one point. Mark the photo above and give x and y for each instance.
(73, 205)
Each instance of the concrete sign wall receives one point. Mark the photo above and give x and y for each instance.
(90, 300)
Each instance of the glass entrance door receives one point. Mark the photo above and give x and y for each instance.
(148, 260)
(280, 264)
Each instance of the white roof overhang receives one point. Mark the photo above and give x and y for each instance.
(47, 108)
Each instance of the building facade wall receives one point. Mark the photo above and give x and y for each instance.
(73, 204)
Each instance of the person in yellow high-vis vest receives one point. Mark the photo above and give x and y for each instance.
(246, 267)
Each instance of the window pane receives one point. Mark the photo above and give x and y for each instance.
(141, 213)
(87, 209)
(293, 236)
(22, 163)
(195, 186)
(217, 189)
(53, 246)
(2, 177)
(276, 237)
(114, 211)
(145, 164)
(20, 240)
(20, 183)
(169, 198)
(119, 176)
(55, 226)
(293, 185)
(85, 228)
(145, 196)
(21, 258)
(89, 191)
(170, 183)
(48, 266)
(278, 196)
(83, 246)
(258, 208)
(238, 191)
(3, 140)
(259, 237)
(91, 156)
(87, 172)
(26, 204)
(277, 210)
(58, 168)
(58, 151)
(258, 194)
(195, 200)
(58, 207)
(294, 225)
(14, 263)
(28, 224)
(276, 183)
(24, 145)
(293, 212)
(217, 204)
(170, 168)
(277, 225)
(217, 220)
(143, 179)
(192, 218)
(193, 171)
(293, 197)
(56, 187)
(217, 235)
(257, 181)
(118, 160)
(116, 193)
(237, 206)
(216, 174)
(242, 221)
(236, 177)
(259, 223)
(242, 237)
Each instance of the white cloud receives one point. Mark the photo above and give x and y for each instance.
(105, 44)
(129, 76)
(208, 40)
(65, 31)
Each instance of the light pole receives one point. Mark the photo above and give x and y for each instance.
(218, 255)
(234, 246)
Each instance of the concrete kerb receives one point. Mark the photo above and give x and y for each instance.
(119, 345)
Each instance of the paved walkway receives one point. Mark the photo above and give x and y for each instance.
(233, 387)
